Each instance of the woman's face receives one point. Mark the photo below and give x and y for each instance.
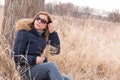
(40, 22)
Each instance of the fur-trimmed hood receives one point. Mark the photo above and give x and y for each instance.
(23, 24)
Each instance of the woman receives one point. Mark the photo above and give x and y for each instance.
(30, 44)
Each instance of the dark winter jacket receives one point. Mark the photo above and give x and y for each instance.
(29, 43)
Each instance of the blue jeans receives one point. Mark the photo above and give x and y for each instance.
(41, 71)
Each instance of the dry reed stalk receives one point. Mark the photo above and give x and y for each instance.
(49, 50)
(7, 67)
(46, 51)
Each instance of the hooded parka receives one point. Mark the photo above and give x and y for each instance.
(30, 43)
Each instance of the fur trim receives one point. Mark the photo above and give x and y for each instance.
(23, 24)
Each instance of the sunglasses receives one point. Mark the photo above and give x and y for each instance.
(41, 19)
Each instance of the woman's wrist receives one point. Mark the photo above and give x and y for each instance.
(39, 60)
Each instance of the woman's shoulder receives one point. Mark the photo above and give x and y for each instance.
(26, 34)
(22, 33)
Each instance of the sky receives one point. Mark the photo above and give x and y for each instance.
(107, 5)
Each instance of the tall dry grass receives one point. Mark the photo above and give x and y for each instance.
(1, 18)
(90, 50)
(7, 66)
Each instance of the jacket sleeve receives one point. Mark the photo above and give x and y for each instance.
(20, 49)
(55, 41)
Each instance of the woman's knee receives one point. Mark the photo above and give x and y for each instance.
(52, 64)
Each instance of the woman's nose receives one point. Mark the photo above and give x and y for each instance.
(39, 21)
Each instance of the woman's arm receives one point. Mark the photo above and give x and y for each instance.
(55, 41)
(20, 49)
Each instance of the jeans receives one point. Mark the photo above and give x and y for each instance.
(41, 71)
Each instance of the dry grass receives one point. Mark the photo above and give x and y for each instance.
(7, 66)
(90, 50)
(1, 18)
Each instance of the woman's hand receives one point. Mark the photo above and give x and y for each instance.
(39, 60)
(51, 27)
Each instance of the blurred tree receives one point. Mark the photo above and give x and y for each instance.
(17, 9)
(69, 9)
(86, 12)
(114, 16)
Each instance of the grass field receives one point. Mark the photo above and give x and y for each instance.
(90, 50)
